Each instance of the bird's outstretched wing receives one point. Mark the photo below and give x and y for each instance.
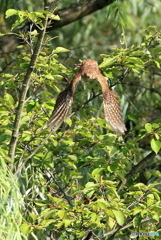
(112, 111)
(61, 109)
(63, 104)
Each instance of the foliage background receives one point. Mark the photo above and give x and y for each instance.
(83, 182)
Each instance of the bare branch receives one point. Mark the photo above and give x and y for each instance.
(79, 10)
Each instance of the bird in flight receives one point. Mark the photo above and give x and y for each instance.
(88, 68)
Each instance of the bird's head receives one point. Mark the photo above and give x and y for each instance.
(89, 68)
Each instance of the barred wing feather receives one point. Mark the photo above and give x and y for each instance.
(112, 112)
(61, 109)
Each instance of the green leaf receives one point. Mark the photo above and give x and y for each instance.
(26, 136)
(34, 216)
(47, 222)
(156, 217)
(140, 186)
(30, 106)
(25, 119)
(32, 16)
(96, 171)
(150, 200)
(91, 185)
(111, 222)
(148, 128)
(156, 195)
(134, 60)
(137, 53)
(56, 89)
(157, 64)
(73, 157)
(10, 12)
(60, 50)
(107, 62)
(61, 213)
(155, 125)
(136, 221)
(135, 70)
(112, 168)
(68, 121)
(136, 210)
(25, 228)
(9, 99)
(103, 204)
(55, 17)
(147, 174)
(155, 145)
(90, 188)
(119, 217)
(67, 222)
(93, 217)
(132, 117)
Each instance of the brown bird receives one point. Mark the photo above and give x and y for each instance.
(90, 69)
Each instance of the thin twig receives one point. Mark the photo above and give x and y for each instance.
(85, 103)
(91, 98)
(33, 153)
(142, 86)
(67, 197)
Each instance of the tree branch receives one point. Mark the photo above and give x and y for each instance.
(68, 15)
(113, 232)
(85, 103)
(88, 236)
(78, 10)
(137, 168)
(25, 87)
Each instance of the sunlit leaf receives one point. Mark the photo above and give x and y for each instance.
(10, 12)
(111, 222)
(26, 228)
(107, 62)
(60, 50)
(148, 128)
(119, 217)
(155, 145)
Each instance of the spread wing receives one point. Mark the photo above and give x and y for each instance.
(112, 111)
(63, 104)
(61, 109)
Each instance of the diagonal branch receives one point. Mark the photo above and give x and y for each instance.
(79, 10)
(32, 154)
(128, 225)
(25, 87)
(137, 168)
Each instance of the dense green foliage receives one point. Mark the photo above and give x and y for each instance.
(83, 178)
